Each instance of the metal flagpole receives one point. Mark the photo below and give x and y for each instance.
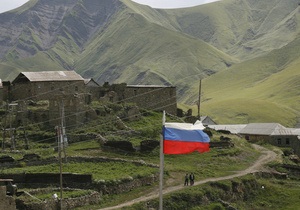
(61, 139)
(199, 99)
(161, 165)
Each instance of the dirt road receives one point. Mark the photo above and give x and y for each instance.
(266, 157)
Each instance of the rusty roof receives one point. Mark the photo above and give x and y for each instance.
(49, 76)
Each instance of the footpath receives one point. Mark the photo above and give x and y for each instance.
(266, 157)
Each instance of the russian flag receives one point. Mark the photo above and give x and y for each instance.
(184, 138)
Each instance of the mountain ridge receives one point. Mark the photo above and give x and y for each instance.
(121, 41)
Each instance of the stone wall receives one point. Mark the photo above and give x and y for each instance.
(67, 203)
(83, 181)
(40, 180)
(124, 185)
(221, 144)
(45, 90)
(152, 97)
(6, 202)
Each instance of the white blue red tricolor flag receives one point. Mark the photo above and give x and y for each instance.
(184, 138)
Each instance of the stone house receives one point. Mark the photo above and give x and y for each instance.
(67, 88)
(6, 202)
(55, 89)
(92, 88)
(272, 133)
(153, 97)
(4, 91)
(45, 85)
(232, 128)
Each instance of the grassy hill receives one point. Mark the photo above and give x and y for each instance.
(243, 29)
(262, 89)
(148, 54)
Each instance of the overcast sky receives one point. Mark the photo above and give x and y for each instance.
(6, 5)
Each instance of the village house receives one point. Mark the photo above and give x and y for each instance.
(93, 89)
(272, 133)
(46, 85)
(56, 89)
(232, 128)
(4, 91)
(67, 89)
(6, 202)
(153, 97)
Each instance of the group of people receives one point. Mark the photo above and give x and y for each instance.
(189, 178)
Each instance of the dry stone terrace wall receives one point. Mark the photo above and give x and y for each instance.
(83, 181)
(78, 159)
(54, 204)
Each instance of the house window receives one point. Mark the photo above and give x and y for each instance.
(279, 141)
(135, 92)
(287, 141)
(76, 88)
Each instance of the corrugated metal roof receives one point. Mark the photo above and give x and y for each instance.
(296, 131)
(148, 86)
(52, 76)
(232, 128)
(269, 129)
(90, 81)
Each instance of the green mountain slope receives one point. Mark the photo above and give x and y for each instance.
(141, 52)
(245, 51)
(243, 29)
(263, 89)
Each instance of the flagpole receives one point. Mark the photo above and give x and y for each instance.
(161, 165)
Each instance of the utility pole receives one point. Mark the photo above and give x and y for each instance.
(60, 132)
(63, 130)
(199, 117)
(61, 144)
(10, 130)
(12, 134)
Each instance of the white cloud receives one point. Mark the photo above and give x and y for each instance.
(6, 5)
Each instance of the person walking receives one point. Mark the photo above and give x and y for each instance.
(192, 179)
(186, 180)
